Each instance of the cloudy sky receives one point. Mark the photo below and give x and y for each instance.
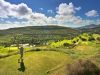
(70, 13)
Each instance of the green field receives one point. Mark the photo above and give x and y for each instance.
(49, 61)
(36, 63)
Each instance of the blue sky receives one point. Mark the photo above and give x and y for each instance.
(70, 13)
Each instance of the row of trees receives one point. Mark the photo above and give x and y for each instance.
(22, 39)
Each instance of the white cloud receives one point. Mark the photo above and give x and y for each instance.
(65, 15)
(78, 8)
(8, 9)
(37, 16)
(10, 24)
(92, 13)
(50, 11)
(41, 9)
(67, 9)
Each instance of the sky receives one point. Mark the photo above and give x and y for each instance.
(68, 13)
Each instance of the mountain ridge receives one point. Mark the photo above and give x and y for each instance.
(39, 32)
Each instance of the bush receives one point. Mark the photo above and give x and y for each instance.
(83, 67)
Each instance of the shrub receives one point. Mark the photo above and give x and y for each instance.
(83, 67)
(96, 36)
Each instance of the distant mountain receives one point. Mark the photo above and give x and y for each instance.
(39, 32)
(88, 26)
(90, 29)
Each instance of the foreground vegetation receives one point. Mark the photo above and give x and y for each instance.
(37, 63)
(77, 56)
(54, 61)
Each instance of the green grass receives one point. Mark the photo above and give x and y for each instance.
(48, 61)
(8, 50)
(36, 63)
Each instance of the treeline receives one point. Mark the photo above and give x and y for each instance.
(84, 38)
(33, 39)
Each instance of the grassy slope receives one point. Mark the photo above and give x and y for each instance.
(84, 52)
(36, 63)
(54, 62)
(63, 69)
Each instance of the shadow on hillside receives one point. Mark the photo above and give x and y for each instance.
(83, 67)
(21, 66)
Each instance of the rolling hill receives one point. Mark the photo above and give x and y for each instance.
(90, 29)
(38, 30)
(43, 33)
(88, 26)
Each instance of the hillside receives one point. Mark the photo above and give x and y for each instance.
(90, 29)
(88, 26)
(43, 34)
(38, 32)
